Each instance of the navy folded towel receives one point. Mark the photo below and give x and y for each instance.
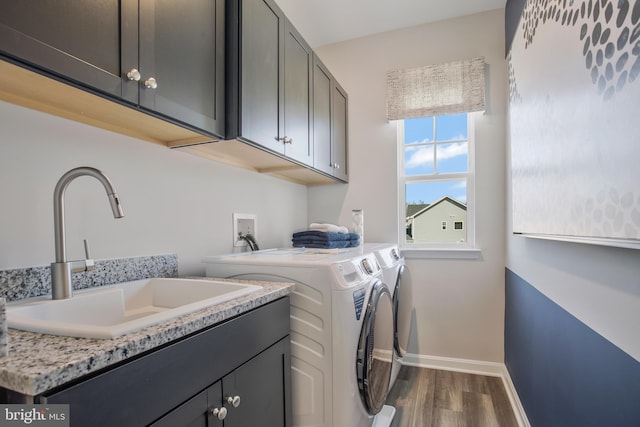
(324, 236)
(336, 244)
(325, 240)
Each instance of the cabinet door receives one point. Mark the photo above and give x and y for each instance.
(261, 76)
(340, 133)
(193, 413)
(297, 97)
(182, 49)
(322, 117)
(91, 43)
(261, 391)
(263, 387)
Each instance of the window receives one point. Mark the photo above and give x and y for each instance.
(436, 181)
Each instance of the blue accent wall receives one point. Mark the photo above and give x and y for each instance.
(565, 374)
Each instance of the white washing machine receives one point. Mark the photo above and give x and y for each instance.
(340, 354)
(395, 275)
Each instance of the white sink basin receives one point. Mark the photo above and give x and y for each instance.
(111, 311)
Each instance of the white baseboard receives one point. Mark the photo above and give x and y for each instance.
(473, 367)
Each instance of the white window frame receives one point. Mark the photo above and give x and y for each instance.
(466, 250)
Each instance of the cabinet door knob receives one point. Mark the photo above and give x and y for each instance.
(285, 139)
(151, 83)
(133, 75)
(234, 401)
(219, 413)
(336, 166)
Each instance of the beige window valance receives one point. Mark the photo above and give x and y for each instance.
(453, 87)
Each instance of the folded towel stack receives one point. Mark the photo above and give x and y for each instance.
(325, 239)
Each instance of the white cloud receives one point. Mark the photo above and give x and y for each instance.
(449, 151)
(424, 141)
(423, 156)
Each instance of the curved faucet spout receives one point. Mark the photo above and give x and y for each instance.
(61, 270)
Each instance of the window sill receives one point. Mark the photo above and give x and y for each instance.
(441, 253)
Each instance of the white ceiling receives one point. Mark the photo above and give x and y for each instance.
(324, 22)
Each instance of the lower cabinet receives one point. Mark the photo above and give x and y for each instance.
(252, 395)
(236, 374)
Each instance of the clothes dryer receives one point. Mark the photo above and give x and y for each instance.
(340, 352)
(395, 275)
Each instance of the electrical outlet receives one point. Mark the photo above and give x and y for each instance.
(244, 224)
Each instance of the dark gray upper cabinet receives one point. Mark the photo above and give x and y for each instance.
(269, 74)
(298, 106)
(115, 47)
(329, 123)
(90, 43)
(182, 49)
(322, 109)
(339, 122)
(182, 74)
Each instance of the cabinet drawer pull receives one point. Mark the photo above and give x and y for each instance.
(220, 413)
(335, 166)
(151, 83)
(133, 75)
(234, 401)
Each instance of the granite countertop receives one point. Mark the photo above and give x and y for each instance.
(40, 362)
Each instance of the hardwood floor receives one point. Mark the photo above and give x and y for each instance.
(434, 398)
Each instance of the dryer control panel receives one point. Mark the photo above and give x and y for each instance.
(358, 301)
(366, 266)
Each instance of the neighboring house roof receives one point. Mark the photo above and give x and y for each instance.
(413, 208)
(437, 202)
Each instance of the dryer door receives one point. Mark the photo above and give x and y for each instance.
(402, 308)
(375, 349)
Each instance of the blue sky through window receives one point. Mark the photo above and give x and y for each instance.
(432, 150)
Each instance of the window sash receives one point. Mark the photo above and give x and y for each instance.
(469, 176)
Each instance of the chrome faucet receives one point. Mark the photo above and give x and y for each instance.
(62, 270)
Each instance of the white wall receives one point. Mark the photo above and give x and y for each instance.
(459, 304)
(174, 202)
